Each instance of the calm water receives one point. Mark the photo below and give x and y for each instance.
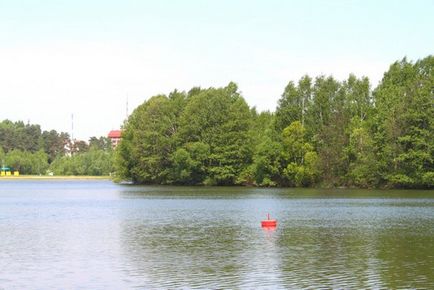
(98, 235)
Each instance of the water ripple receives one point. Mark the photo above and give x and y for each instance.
(103, 236)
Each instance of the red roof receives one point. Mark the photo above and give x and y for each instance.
(114, 134)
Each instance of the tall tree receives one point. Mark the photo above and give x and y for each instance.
(221, 119)
(16, 135)
(101, 143)
(54, 144)
(300, 166)
(149, 139)
(338, 133)
(404, 135)
(288, 107)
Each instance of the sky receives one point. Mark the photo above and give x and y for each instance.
(87, 58)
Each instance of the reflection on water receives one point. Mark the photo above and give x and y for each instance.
(98, 235)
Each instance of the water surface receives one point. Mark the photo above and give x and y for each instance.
(99, 235)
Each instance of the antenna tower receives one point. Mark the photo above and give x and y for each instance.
(126, 117)
(72, 127)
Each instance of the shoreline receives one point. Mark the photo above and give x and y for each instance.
(59, 177)
(110, 178)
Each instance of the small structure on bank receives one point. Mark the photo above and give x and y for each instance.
(7, 171)
(115, 137)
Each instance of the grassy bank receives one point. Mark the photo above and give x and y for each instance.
(46, 177)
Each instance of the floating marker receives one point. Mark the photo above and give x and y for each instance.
(269, 223)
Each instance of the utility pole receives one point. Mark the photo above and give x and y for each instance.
(126, 116)
(72, 127)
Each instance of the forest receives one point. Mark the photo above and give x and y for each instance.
(324, 132)
(24, 147)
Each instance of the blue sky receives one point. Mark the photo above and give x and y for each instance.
(59, 58)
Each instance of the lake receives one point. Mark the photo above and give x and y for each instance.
(100, 235)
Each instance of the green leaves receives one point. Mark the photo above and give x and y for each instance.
(405, 132)
(189, 163)
(95, 162)
(187, 139)
(299, 159)
(26, 162)
(363, 167)
(324, 131)
(149, 139)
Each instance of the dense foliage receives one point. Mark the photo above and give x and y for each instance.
(93, 162)
(324, 132)
(24, 147)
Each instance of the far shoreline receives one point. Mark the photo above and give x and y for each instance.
(54, 177)
(111, 178)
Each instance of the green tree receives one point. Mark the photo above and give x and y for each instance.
(101, 143)
(189, 163)
(300, 159)
(324, 93)
(2, 157)
(266, 166)
(54, 144)
(27, 162)
(324, 131)
(294, 103)
(288, 107)
(363, 168)
(149, 140)
(358, 97)
(94, 162)
(221, 119)
(404, 132)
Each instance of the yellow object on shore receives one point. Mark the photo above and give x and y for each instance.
(8, 173)
(16, 173)
(57, 177)
(3, 173)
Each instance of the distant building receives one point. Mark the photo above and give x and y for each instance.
(115, 137)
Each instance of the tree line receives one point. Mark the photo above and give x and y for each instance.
(324, 132)
(28, 149)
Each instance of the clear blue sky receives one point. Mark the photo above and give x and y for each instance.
(59, 58)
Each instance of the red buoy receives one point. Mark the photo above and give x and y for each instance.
(269, 223)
